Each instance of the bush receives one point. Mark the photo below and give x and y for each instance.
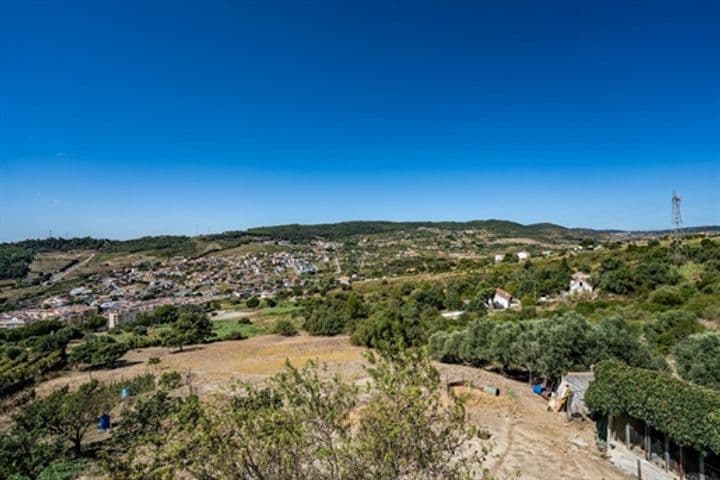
(712, 312)
(98, 351)
(285, 328)
(235, 335)
(12, 352)
(698, 359)
(63, 470)
(253, 302)
(668, 328)
(244, 321)
(667, 296)
(170, 380)
(153, 361)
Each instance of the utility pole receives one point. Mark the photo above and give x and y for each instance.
(677, 229)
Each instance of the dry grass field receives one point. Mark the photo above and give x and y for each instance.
(528, 442)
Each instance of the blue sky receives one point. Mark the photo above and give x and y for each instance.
(121, 119)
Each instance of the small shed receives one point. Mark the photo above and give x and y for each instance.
(501, 299)
(578, 383)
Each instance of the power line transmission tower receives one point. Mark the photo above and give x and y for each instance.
(677, 230)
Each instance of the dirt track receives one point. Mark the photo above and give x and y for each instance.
(527, 440)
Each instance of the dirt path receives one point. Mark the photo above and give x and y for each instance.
(59, 276)
(529, 441)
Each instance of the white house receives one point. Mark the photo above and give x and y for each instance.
(523, 255)
(580, 284)
(502, 299)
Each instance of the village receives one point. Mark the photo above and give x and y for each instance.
(121, 294)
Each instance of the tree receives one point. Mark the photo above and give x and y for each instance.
(476, 347)
(190, 328)
(67, 415)
(615, 339)
(503, 344)
(698, 359)
(567, 343)
(253, 302)
(141, 431)
(24, 454)
(98, 351)
(668, 328)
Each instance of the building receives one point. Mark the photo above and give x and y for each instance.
(635, 447)
(499, 257)
(577, 383)
(653, 425)
(502, 299)
(11, 323)
(119, 317)
(580, 284)
(306, 268)
(523, 255)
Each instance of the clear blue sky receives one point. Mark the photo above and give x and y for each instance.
(120, 119)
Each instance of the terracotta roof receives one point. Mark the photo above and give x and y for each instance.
(499, 292)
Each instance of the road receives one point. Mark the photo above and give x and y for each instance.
(59, 276)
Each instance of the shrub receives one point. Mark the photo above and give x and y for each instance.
(285, 328)
(235, 335)
(244, 321)
(667, 296)
(253, 302)
(698, 359)
(153, 361)
(170, 380)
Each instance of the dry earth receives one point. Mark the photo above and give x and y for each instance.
(527, 440)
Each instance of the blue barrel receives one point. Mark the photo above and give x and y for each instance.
(104, 422)
(125, 393)
(538, 389)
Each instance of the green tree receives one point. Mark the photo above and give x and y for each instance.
(615, 339)
(67, 414)
(97, 351)
(668, 328)
(190, 328)
(698, 359)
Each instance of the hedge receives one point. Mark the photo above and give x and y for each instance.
(689, 414)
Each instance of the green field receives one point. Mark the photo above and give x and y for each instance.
(223, 328)
(281, 309)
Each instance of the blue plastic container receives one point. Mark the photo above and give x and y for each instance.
(104, 422)
(538, 389)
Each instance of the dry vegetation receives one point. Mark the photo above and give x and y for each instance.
(527, 440)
